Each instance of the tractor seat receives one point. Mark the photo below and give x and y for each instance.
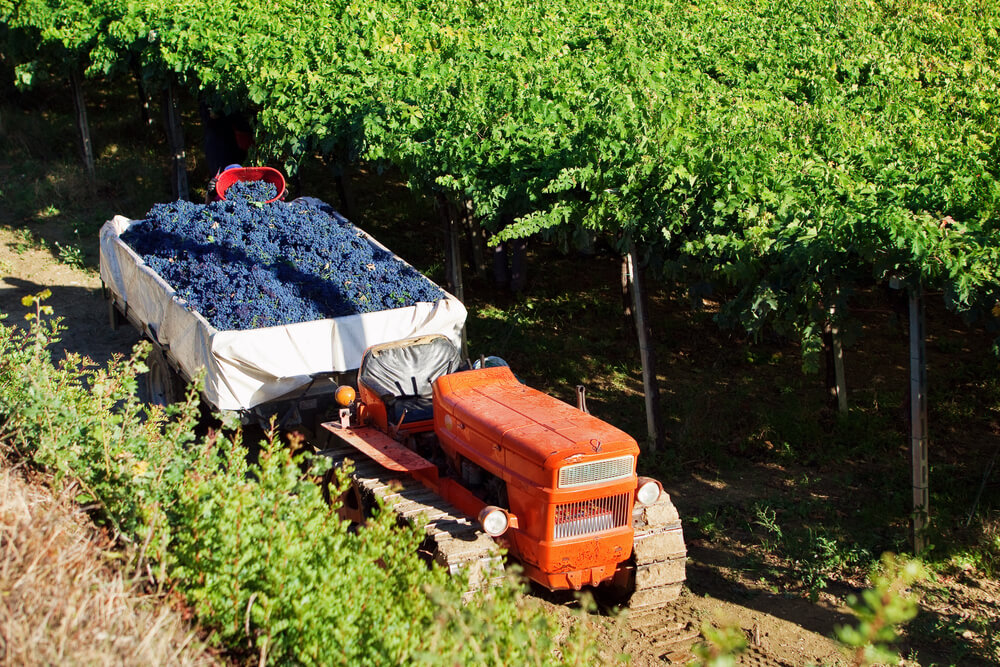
(410, 408)
(402, 374)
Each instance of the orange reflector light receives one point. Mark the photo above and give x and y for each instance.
(345, 396)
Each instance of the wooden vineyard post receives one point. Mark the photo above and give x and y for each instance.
(918, 417)
(650, 387)
(453, 257)
(838, 363)
(83, 127)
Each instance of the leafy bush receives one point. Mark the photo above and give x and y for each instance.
(245, 264)
(262, 551)
(266, 565)
(881, 609)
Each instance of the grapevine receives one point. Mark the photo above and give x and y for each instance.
(785, 152)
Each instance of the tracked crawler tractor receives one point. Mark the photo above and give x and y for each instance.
(489, 462)
(482, 461)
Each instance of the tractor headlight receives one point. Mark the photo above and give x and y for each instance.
(494, 520)
(648, 490)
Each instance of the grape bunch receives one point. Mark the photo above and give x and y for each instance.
(245, 264)
(252, 191)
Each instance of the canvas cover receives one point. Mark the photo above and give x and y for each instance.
(244, 369)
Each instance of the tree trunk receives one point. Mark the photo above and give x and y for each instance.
(518, 265)
(140, 88)
(628, 320)
(650, 386)
(501, 269)
(840, 379)
(454, 249)
(341, 177)
(293, 183)
(477, 241)
(83, 129)
(833, 353)
(452, 257)
(175, 143)
(501, 274)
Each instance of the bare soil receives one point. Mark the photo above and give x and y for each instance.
(76, 297)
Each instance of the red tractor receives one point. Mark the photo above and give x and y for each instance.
(487, 460)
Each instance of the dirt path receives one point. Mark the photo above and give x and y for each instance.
(76, 297)
(780, 630)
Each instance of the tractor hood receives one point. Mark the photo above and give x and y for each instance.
(489, 409)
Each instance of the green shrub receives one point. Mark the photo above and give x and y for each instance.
(263, 552)
(268, 568)
(881, 610)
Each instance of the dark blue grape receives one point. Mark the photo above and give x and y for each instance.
(251, 191)
(244, 264)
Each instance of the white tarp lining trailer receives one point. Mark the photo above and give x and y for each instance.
(247, 369)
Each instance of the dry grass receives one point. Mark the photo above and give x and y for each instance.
(64, 600)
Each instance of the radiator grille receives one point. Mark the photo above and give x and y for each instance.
(598, 471)
(591, 516)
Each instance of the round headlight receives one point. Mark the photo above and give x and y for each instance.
(494, 520)
(648, 491)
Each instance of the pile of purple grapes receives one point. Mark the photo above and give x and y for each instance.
(245, 264)
(254, 191)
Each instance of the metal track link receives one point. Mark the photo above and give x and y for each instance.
(455, 542)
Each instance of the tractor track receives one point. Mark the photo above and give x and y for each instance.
(454, 542)
(656, 580)
(672, 634)
(669, 634)
(658, 558)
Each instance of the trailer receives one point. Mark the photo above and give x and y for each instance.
(289, 371)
